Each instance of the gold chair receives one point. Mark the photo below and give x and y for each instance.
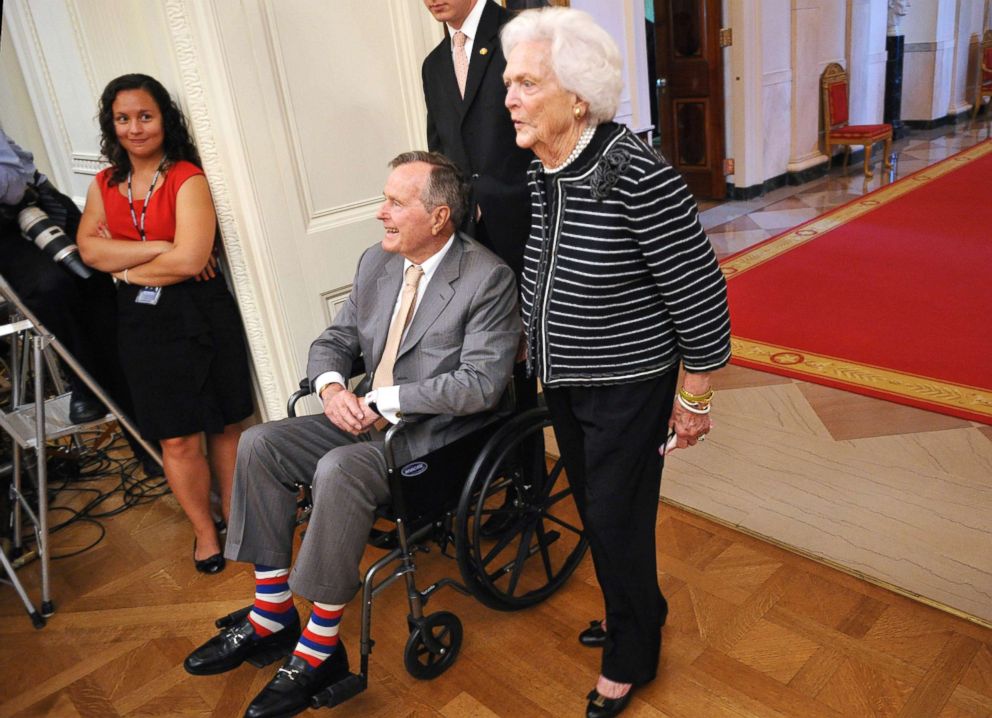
(833, 84)
(983, 73)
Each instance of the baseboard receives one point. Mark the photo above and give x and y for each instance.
(793, 179)
(949, 119)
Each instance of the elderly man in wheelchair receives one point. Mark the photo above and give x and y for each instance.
(435, 314)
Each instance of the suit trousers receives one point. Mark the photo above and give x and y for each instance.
(609, 438)
(347, 478)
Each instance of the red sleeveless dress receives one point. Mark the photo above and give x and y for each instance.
(184, 358)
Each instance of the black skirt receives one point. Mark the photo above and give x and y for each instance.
(184, 359)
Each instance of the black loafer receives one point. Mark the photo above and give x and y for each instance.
(603, 707)
(290, 690)
(236, 644)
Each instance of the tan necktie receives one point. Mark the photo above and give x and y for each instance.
(408, 298)
(461, 61)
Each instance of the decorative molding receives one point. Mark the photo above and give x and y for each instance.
(40, 87)
(177, 15)
(342, 215)
(333, 300)
(87, 163)
(82, 45)
(920, 47)
(409, 59)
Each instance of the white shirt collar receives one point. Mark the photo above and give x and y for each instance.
(430, 265)
(471, 25)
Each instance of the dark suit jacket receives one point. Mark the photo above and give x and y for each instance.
(477, 135)
(456, 359)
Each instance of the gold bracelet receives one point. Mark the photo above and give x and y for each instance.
(696, 399)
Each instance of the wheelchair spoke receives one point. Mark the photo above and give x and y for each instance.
(543, 544)
(523, 551)
(563, 523)
(503, 542)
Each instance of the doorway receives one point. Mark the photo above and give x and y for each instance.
(687, 78)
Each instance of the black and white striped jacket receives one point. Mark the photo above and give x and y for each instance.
(620, 282)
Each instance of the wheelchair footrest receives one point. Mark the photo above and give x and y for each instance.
(348, 687)
(383, 539)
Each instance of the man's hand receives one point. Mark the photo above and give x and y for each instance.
(345, 410)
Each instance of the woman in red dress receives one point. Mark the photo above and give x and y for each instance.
(150, 222)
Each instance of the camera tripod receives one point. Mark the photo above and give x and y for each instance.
(32, 424)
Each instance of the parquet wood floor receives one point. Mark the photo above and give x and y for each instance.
(753, 631)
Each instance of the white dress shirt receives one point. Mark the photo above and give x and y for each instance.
(387, 398)
(470, 27)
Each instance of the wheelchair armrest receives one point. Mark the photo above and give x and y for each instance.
(357, 369)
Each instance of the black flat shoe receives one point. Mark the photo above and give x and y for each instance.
(236, 643)
(603, 707)
(595, 635)
(211, 564)
(290, 690)
(84, 408)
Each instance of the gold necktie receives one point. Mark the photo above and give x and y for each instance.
(408, 299)
(461, 61)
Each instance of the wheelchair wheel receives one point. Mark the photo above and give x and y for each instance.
(518, 534)
(433, 646)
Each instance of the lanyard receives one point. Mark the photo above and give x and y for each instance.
(144, 209)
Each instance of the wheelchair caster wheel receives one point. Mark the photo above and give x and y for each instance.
(433, 645)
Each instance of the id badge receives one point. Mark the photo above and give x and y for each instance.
(148, 295)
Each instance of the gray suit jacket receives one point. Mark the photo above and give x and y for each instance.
(457, 357)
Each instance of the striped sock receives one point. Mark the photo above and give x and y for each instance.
(320, 637)
(273, 609)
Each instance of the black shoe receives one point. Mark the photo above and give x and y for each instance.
(236, 644)
(290, 691)
(602, 707)
(595, 635)
(84, 408)
(211, 564)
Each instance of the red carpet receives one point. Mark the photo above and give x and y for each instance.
(889, 295)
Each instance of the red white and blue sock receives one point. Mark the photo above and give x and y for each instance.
(274, 608)
(320, 637)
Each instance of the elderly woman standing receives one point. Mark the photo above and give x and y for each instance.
(620, 286)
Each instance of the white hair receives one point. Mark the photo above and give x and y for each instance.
(584, 57)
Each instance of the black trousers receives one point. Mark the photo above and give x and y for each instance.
(609, 438)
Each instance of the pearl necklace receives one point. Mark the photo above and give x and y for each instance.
(584, 139)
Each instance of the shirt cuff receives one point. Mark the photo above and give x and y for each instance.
(387, 402)
(329, 377)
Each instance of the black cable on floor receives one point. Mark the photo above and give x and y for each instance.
(97, 465)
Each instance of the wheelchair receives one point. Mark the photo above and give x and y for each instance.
(488, 497)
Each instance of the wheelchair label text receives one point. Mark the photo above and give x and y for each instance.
(415, 468)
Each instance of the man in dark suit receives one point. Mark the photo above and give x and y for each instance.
(470, 125)
(435, 315)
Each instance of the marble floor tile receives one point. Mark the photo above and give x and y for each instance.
(727, 243)
(853, 416)
(793, 202)
(743, 222)
(784, 219)
(738, 377)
